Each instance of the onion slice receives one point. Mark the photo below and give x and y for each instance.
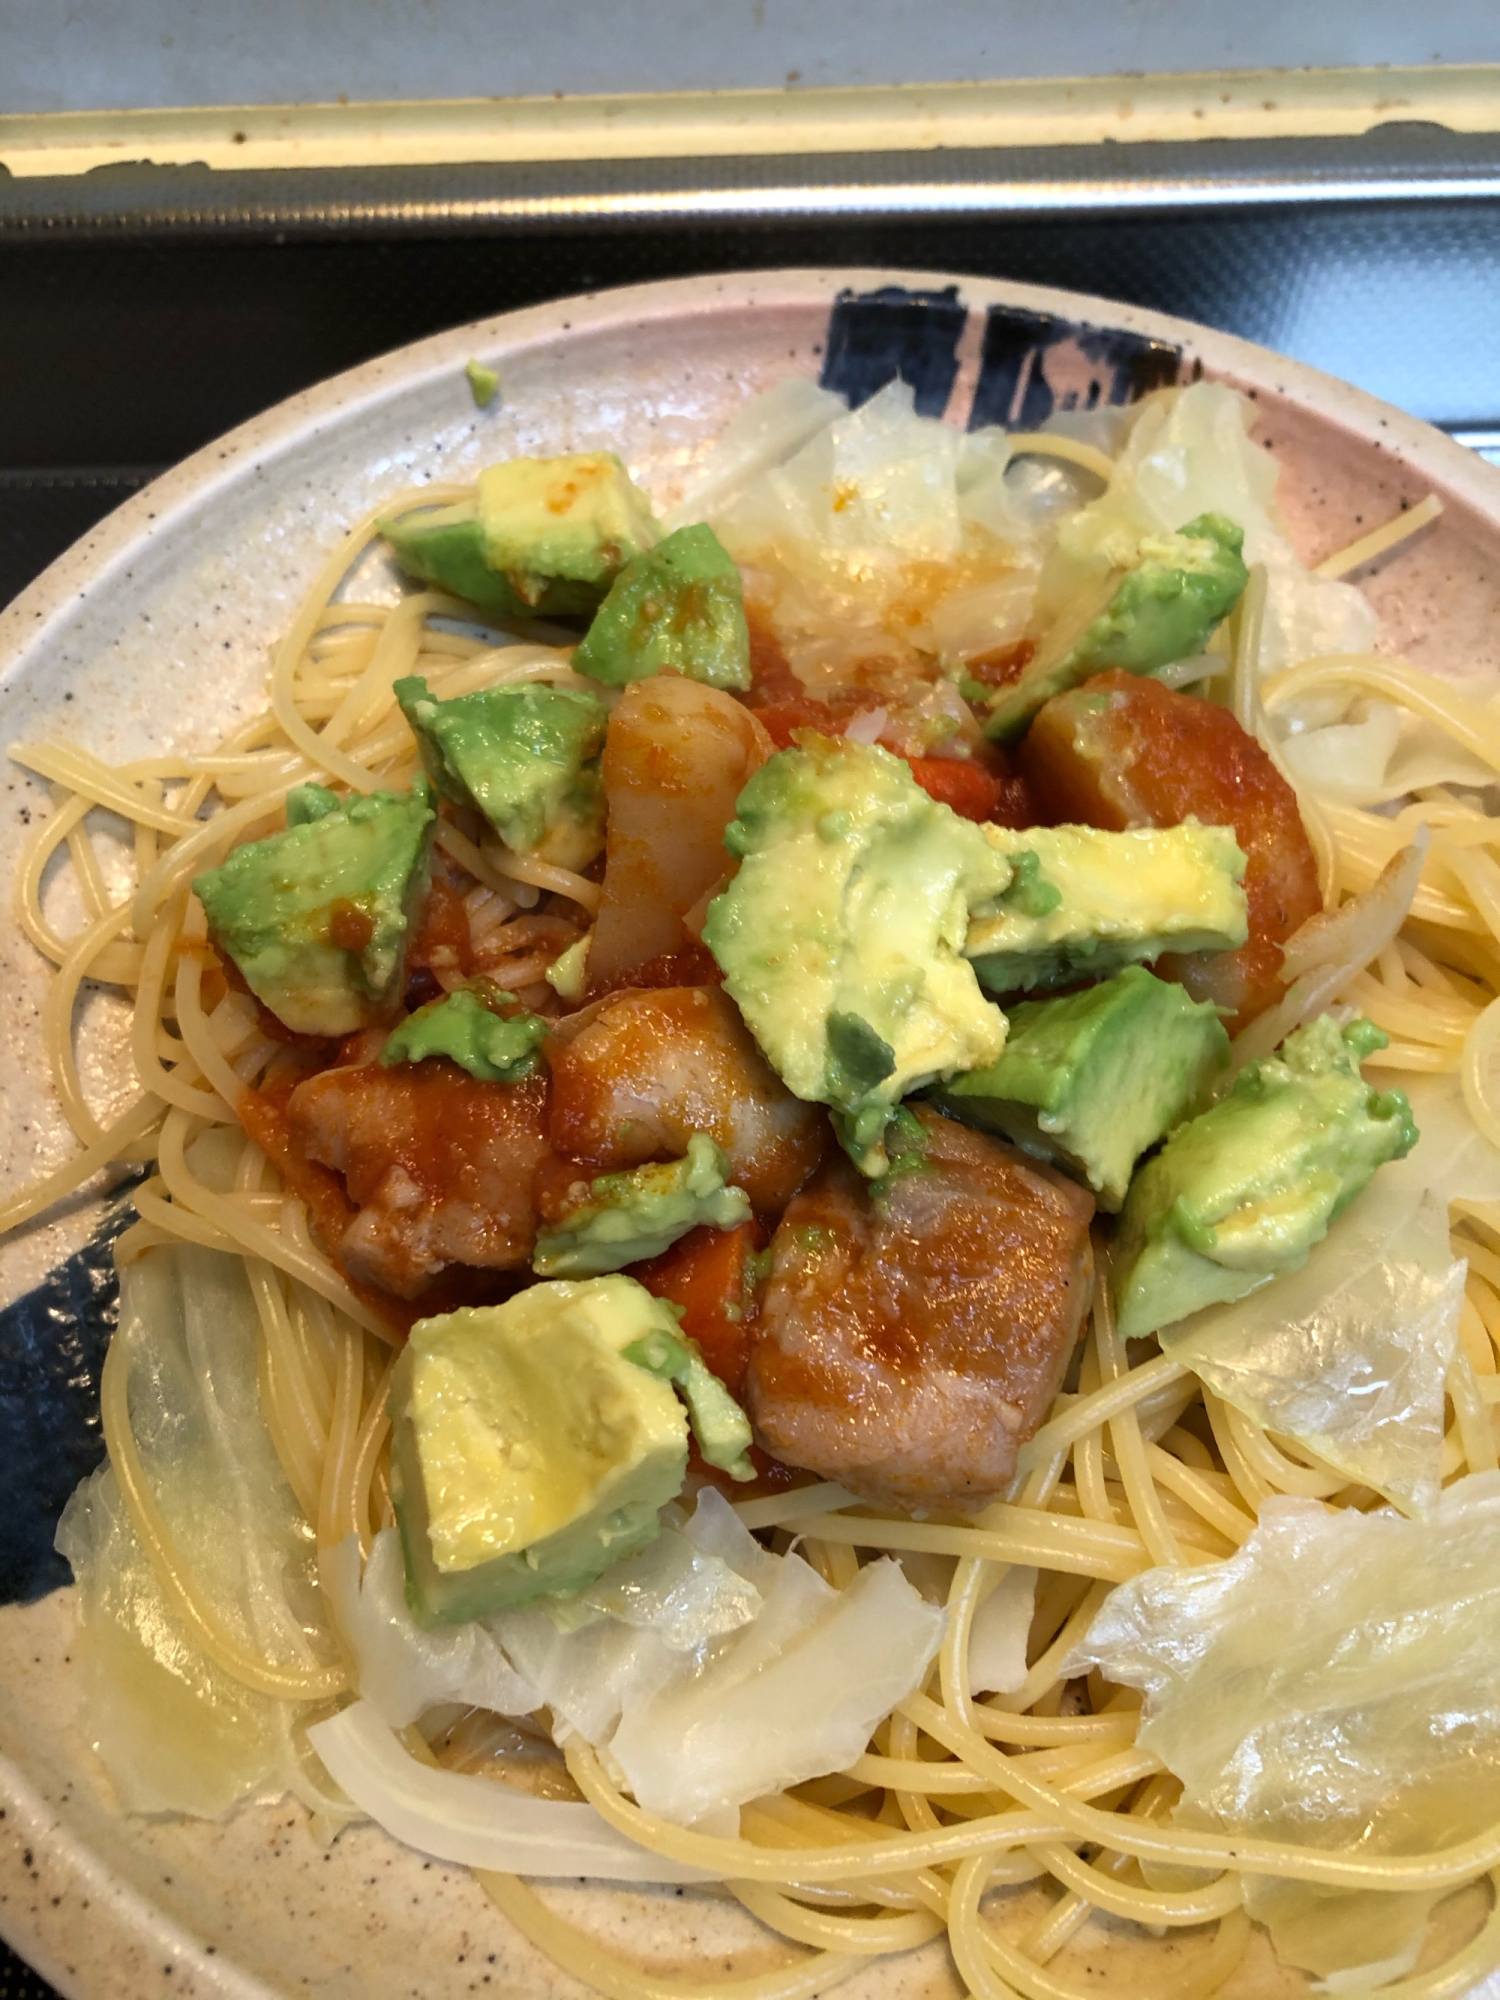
(1326, 952)
(475, 1821)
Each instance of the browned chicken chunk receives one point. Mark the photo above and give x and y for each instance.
(642, 1071)
(441, 1167)
(1123, 751)
(914, 1331)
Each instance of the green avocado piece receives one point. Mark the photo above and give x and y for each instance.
(1242, 1192)
(1090, 1080)
(719, 1424)
(540, 538)
(494, 1048)
(484, 383)
(528, 1451)
(527, 757)
(841, 937)
(1084, 902)
(678, 609)
(318, 918)
(1164, 609)
(310, 802)
(568, 974)
(630, 1216)
(578, 518)
(444, 546)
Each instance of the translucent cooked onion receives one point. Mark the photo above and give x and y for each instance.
(1331, 948)
(477, 1822)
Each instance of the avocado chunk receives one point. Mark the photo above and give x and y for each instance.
(568, 974)
(579, 518)
(626, 1217)
(305, 803)
(528, 1451)
(444, 546)
(679, 609)
(1164, 609)
(484, 383)
(719, 1424)
(527, 757)
(1090, 1080)
(1082, 902)
(492, 1046)
(1242, 1192)
(841, 937)
(317, 919)
(541, 538)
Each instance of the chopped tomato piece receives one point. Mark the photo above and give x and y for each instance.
(1003, 665)
(442, 933)
(971, 790)
(441, 941)
(771, 676)
(782, 718)
(710, 1276)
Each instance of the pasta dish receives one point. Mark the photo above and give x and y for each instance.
(817, 1193)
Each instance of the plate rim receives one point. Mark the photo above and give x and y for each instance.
(151, 513)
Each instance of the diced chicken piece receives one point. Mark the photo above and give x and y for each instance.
(915, 1331)
(1123, 751)
(638, 1073)
(677, 757)
(441, 1167)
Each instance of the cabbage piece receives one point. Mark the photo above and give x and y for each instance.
(475, 1821)
(1335, 1683)
(629, 1632)
(998, 1634)
(1452, 1156)
(887, 536)
(879, 477)
(174, 1731)
(1348, 759)
(1349, 1354)
(763, 435)
(678, 1589)
(1367, 752)
(797, 1694)
(402, 1668)
(777, 1681)
(1189, 454)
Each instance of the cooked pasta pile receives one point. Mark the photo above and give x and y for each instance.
(1140, 1466)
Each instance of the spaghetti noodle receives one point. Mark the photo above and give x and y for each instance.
(959, 1792)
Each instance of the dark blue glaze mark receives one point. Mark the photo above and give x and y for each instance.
(1033, 365)
(52, 1345)
(875, 336)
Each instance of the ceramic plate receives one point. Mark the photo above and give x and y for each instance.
(153, 633)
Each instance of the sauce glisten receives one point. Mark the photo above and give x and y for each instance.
(913, 1332)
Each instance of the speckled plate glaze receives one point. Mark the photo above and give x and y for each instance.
(154, 632)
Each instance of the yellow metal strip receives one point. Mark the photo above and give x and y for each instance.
(715, 124)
